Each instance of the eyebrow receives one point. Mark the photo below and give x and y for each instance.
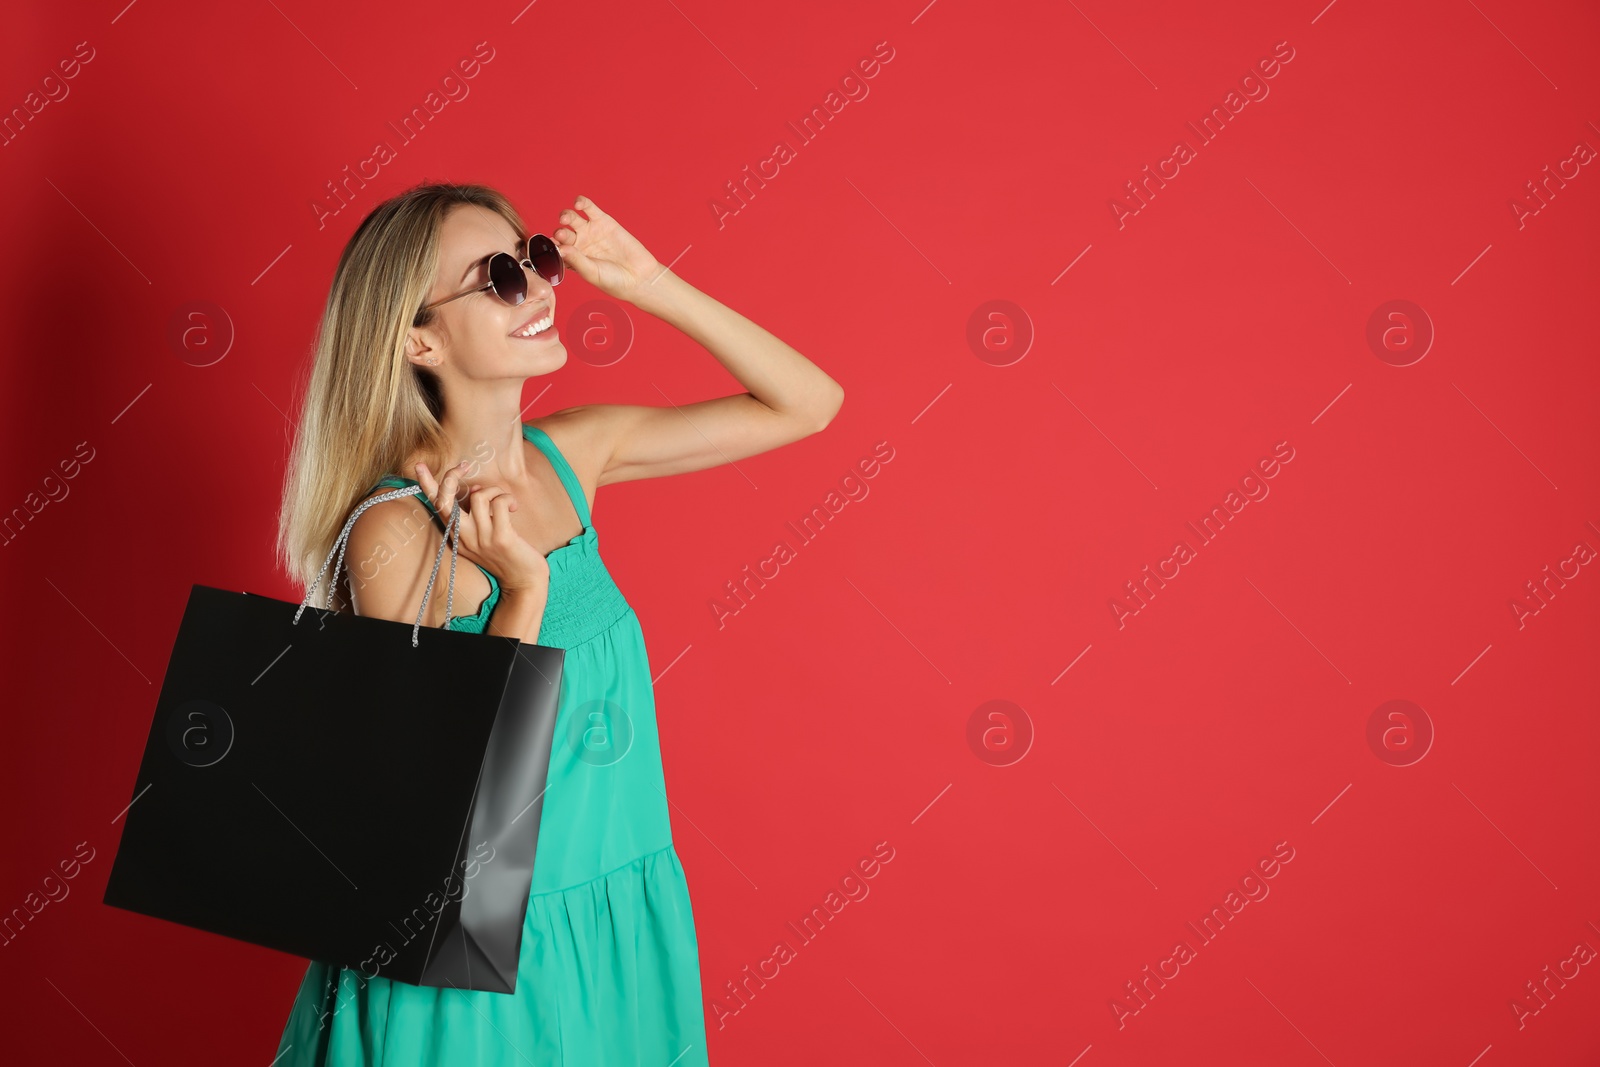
(480, 261)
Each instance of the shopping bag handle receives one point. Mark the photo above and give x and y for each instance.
(452, 534)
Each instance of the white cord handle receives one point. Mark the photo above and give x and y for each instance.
(452, 534)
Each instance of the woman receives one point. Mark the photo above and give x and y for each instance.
(441, 308)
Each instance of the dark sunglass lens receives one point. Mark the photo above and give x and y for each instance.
(510, 282)
(545, 259)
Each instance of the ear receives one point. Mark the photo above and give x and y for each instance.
(419, 352)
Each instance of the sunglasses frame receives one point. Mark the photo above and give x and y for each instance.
(526, 264)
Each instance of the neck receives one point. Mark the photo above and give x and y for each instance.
(485, 429)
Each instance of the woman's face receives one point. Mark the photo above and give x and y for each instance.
(474, 337)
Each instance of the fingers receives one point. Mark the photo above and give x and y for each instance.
(502, 506)
(485, 495)
(442, 497)
(449, 491)
(570, 227)
(485, 511)
(425, 479)
(591, 213)
(489, 507)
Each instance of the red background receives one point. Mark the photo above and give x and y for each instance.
(832, 711)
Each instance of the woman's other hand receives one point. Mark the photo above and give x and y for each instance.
(488, 537)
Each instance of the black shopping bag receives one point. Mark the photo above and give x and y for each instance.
(332, 787)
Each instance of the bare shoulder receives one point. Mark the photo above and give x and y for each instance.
(389, 557)
(585, 435)
(388, 521)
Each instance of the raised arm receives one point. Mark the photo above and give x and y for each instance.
(788, 397)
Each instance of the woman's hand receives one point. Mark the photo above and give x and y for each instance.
(604, 254)
(487, 536)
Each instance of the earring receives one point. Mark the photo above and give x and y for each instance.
(433, 362)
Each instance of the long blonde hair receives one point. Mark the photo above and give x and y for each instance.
(366, 408)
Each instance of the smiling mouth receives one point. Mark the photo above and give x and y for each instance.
(538, 328)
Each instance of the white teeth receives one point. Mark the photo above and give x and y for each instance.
(535, 327)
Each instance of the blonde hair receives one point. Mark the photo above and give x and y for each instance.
(366, 408)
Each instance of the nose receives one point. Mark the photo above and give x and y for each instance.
(539, 288)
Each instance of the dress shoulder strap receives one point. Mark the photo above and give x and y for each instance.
(395, 482)
(390, 482)
(569, 479)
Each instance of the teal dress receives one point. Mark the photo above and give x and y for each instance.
(609, 971)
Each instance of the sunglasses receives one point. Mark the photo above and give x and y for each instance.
(508, 279)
